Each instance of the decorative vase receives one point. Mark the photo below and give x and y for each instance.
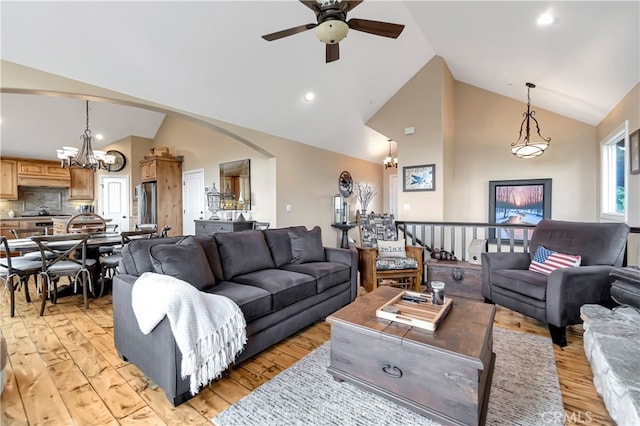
(11, 214)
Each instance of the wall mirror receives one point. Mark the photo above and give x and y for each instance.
(235, 185)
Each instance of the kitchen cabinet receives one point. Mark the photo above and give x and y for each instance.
(8, 179)
(148, 171)
(82, 184)
(43, 173)
(6, 226)
(167, 173)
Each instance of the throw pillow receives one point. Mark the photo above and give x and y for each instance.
(243, 252)
(306, 246)
(186, 262)
(391, 248)
(546, 261)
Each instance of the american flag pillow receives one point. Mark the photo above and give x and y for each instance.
(546, 261)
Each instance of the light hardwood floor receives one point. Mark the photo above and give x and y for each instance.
(63, 369)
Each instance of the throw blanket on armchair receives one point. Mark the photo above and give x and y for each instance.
(209, 329)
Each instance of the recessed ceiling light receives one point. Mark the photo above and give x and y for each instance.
(99, 137)
(545, 19)
(309, 96)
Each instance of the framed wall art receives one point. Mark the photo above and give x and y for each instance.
(519, 202)
(634, 152)
(419, 178)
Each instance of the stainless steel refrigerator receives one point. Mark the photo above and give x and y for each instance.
(147, 202)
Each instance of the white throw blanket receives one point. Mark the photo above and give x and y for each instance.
(209, 329)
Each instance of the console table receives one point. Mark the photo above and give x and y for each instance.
(210, 227)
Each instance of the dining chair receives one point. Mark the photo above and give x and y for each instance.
(16, 268)
(70, 261)
(109, 264)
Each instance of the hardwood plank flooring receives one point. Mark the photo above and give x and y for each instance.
(64, 370)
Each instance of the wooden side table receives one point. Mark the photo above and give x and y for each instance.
(345, 228)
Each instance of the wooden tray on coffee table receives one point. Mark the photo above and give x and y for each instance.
(424, 315)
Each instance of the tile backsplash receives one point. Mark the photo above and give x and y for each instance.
(31, 199)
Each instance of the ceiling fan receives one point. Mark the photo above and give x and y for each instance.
(333, 26)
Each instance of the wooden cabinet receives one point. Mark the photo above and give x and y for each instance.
(82, 184)
(148, 170)
(6, 226)
(210, 227)
(167, 173)
(43, 173)
(8, 179)
(461, 279)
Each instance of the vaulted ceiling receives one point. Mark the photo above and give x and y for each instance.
(207, 58)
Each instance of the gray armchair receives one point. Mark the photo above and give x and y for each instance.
(555, 299)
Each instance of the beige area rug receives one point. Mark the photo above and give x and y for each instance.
(524, 391)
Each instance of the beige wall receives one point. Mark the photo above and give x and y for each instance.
(628, 109)
(306, 178)
(419, 104)
(301, 175)
(467, 132)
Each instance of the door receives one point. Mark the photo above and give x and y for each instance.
(114, 200)
(193, 200)
(393, 195)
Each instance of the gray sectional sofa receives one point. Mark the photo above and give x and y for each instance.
(282, 279)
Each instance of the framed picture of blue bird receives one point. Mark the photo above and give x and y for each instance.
(419, 178)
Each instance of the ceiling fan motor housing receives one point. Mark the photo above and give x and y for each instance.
(332, 27)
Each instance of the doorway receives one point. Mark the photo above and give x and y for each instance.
(114, 201)
(193, 200)
(393, 195)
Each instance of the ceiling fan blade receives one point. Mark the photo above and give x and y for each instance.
(288, 32)
(348, 5)
(312, 4)
(333, 52)
(384, 29)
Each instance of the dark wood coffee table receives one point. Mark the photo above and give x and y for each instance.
(444, 375)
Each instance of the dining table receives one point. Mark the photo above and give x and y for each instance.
(94, 242)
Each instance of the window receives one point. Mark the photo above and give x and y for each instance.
(614, 175)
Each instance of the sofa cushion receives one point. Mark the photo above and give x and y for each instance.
(280, 244)
(377, 227)
(243, 252)
(253, 301)
(187, 262)
(395, 263)
(546, 261)
(210, 247)
(327, 274)
(391, 248)
(286, 287)
(306, 246)
(521, 281)
(135, 255)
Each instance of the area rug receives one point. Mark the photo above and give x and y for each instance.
(525, 391)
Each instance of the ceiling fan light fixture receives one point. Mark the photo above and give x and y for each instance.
(332, 31)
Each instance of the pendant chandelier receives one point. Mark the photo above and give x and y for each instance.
(525, 148)
(85, 157)
(390, 161)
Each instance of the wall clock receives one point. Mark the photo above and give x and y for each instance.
(120, 162)
(345, 184)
